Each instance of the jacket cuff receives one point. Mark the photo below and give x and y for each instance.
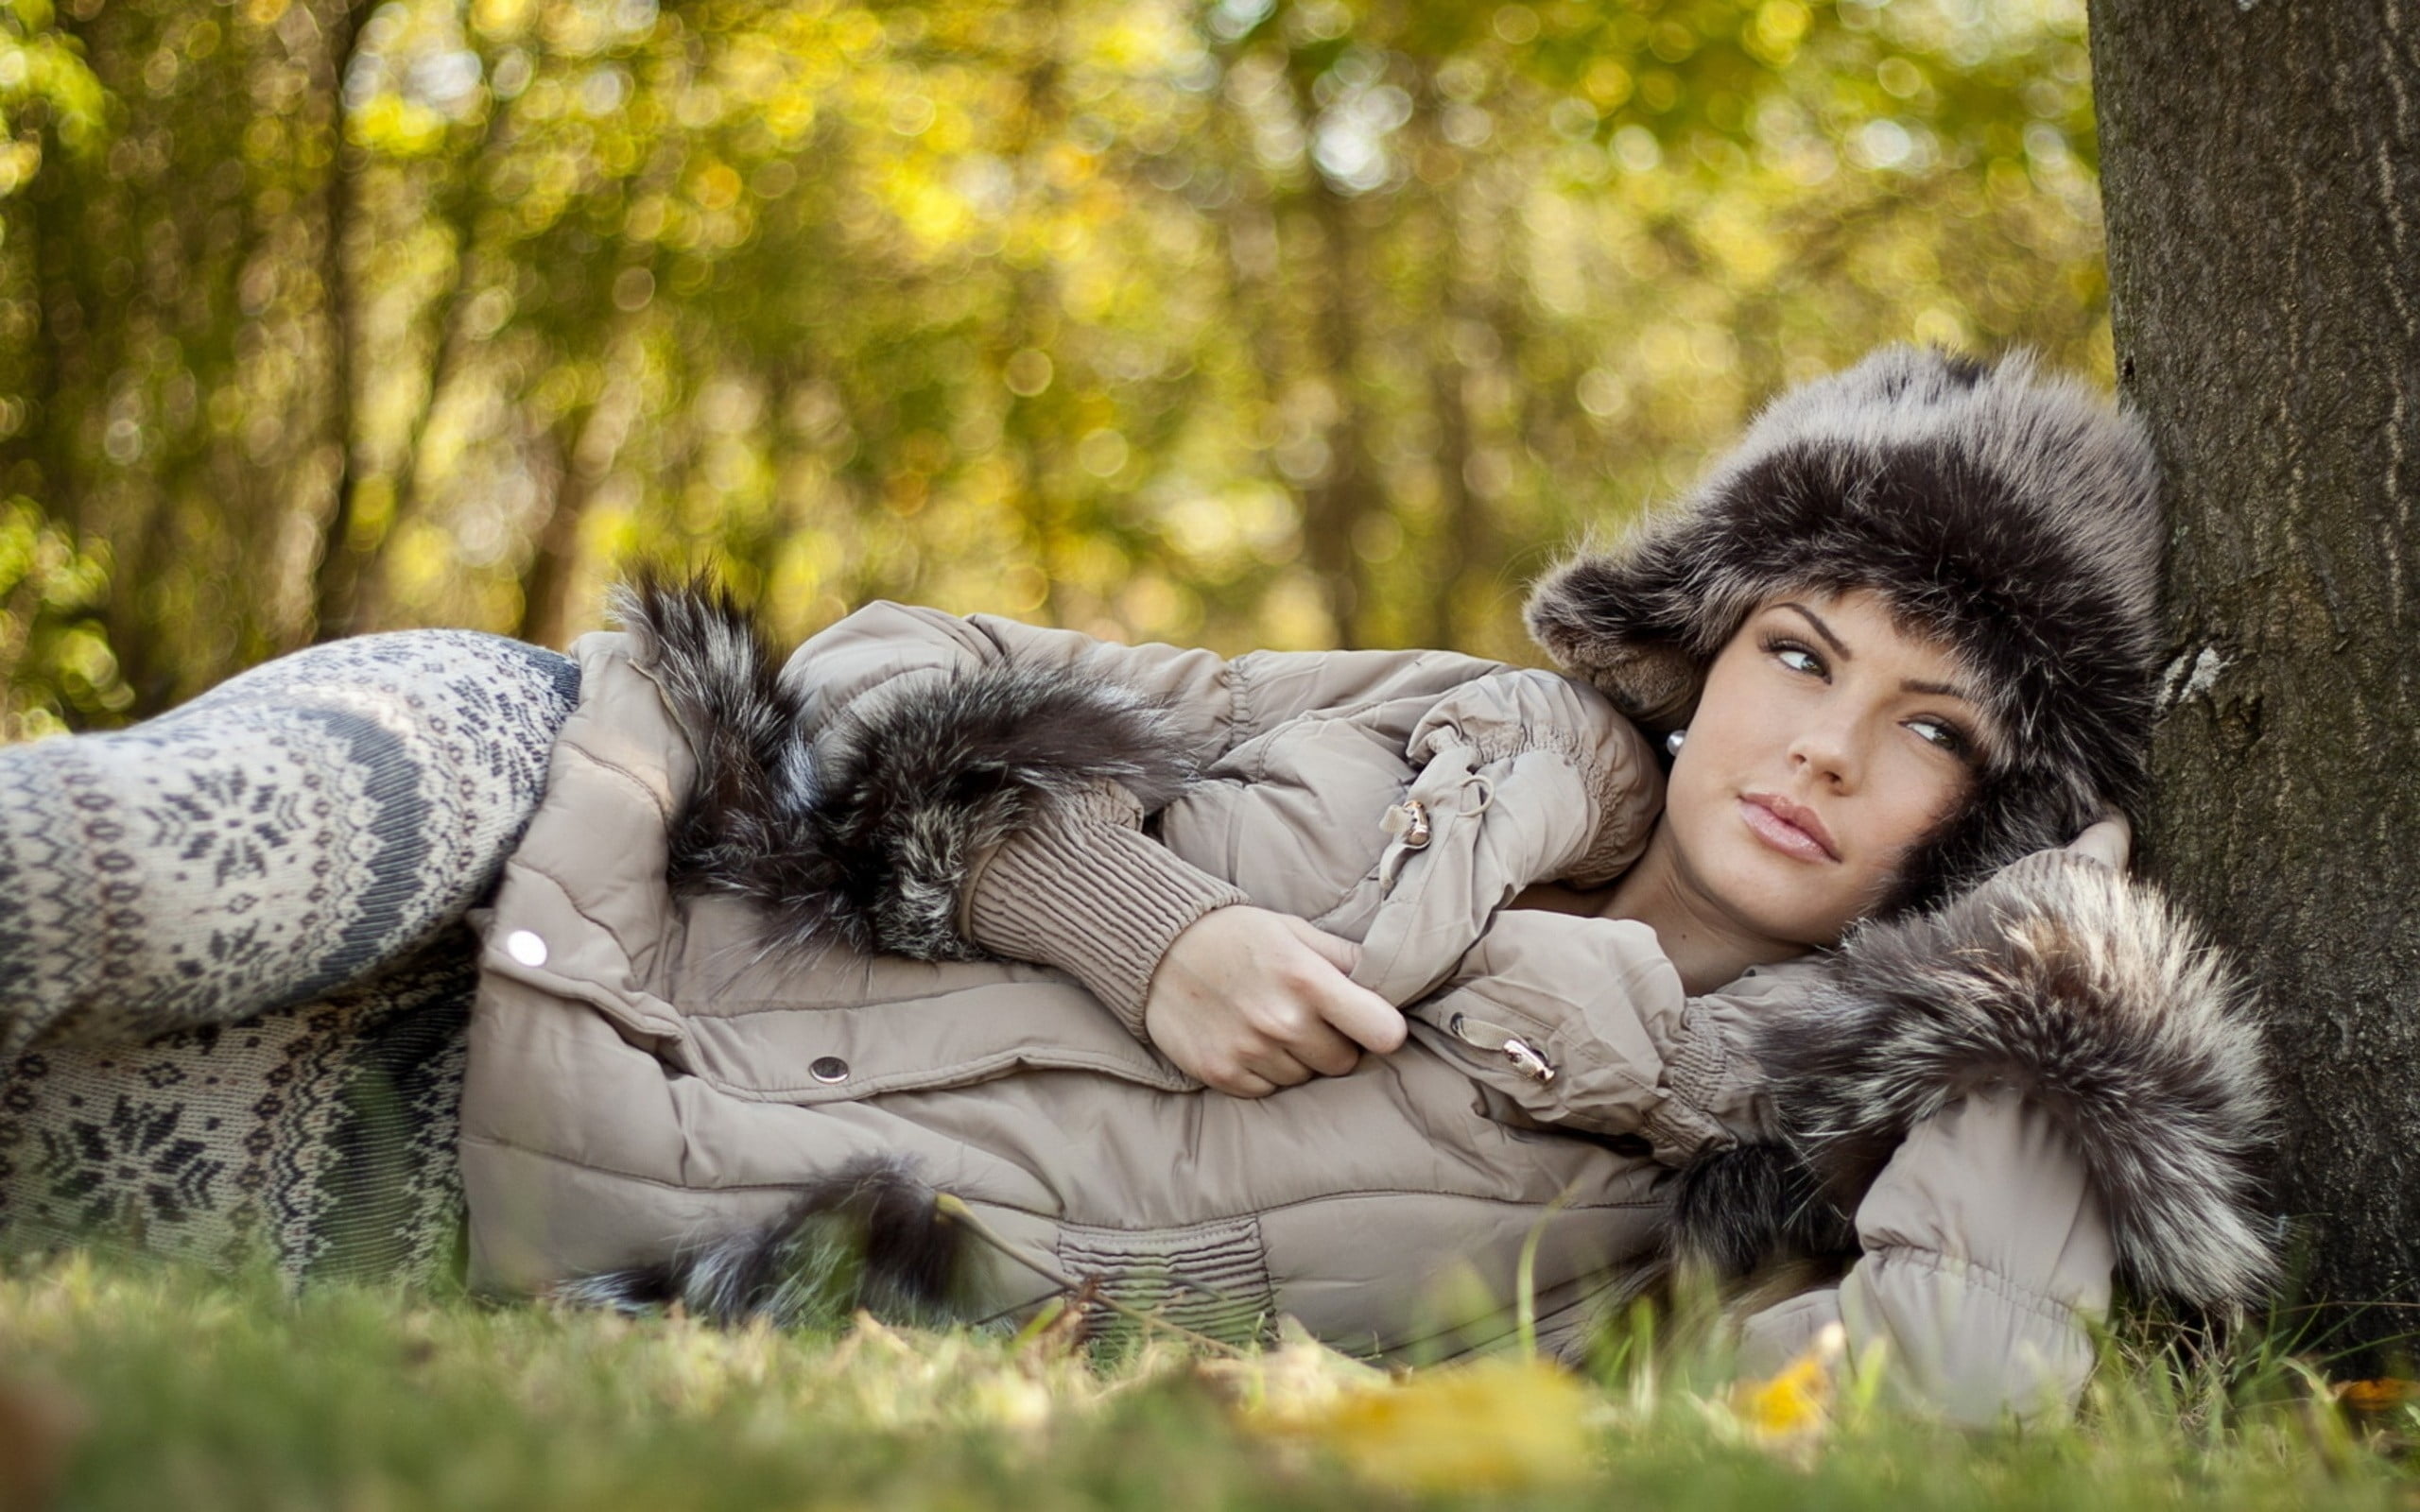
(2164, 1099)
(1094, 897)
(1700, 1073)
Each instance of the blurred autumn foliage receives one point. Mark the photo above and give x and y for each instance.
(1255, 323)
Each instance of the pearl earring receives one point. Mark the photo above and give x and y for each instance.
(1673, 742)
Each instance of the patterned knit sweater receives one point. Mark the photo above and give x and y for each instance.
(234, 974)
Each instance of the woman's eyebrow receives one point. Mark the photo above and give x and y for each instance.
(1945, 690)
(1823, 629)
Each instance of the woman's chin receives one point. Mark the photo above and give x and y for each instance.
(1782, 898)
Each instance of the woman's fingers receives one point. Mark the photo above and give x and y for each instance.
(1361, 1016)
(1345, 1007)
(1323, 1050)
(1342, 953)
(1251, 1000)
(2109, 842)
(1290, 1020)
(1278, 1069)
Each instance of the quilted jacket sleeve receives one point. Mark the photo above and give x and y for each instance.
(1987, 1259)
(1521, 778)
(2050, 1081)
(1405, 826)
(1211, 703)
(1581, 1023)
(962, 761)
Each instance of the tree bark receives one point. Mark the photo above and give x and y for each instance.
(554, 558)
(335, 577)
(1336, 502)
(345, 585)
(2261, 170)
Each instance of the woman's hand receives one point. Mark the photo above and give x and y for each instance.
(2109, 842)
(1251, 1000)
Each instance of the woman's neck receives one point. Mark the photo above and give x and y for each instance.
(1704, 944)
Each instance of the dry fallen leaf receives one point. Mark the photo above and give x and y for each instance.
(1059, 1329)
(1280, 1387)
(2383, 1395)
(1492, 1425)
(38, 1426)
(1497, 1425)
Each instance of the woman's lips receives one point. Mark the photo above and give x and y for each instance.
(1787, 827)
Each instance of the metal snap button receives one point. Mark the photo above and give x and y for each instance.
(526, 947)
(829, 1068)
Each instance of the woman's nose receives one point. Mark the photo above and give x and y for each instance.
(1828, 751)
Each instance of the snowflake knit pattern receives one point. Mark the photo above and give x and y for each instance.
(235, 983)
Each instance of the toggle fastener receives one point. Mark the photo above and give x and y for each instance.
(1524, 1056)
(1527, 1062)
(1409, 819)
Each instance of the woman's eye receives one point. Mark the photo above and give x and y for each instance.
(1792, 655)
(1948, 736)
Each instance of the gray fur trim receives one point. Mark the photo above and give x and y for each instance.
(756, 789)
(865, 832)
(866, 1237)
(2095, 999)
(2013, 515)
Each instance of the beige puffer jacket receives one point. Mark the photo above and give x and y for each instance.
(651, 1085)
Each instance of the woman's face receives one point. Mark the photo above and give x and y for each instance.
(1826, 744)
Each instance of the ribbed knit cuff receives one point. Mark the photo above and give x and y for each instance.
(1095, 898)
(1694, 1072)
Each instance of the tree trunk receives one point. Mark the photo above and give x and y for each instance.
(554, 559)
(1469, 555)
(346, 584)
(336, 577)
(2261, 168)
(1336, 503)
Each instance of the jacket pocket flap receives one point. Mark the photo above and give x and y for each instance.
(830, 1054)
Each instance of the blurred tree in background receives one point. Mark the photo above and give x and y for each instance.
(1280, 322)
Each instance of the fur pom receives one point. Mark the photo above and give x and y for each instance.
(864, 834)
(1737, 1211)
(2089, 994)
(867, 1237)
(756, 791)
(2011, 516)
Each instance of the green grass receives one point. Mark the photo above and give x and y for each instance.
(162, 1388)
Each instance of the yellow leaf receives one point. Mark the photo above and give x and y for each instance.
(1494, 1425)
(1795, 1401)
(2383, 1395)
(1791, 1401)
(1286, 1387)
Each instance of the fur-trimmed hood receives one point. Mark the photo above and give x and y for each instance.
(2011, 515)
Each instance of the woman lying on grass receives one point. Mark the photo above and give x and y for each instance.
(1323, 984)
